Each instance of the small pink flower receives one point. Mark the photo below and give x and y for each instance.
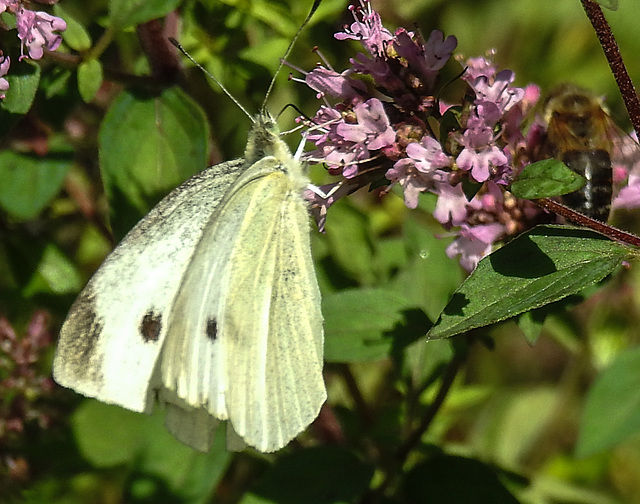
(629, 196)
(428, 154)
(479, 153)
(421, 170)
(368, 30)
(330, 82)
(372, 130)
(451, 205)
(473, 243)
(481, 66)
(35, 30)
(412, 181)
(8, 5)
(5, 62)
(425, 58)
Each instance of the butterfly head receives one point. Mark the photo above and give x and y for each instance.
(264, 139)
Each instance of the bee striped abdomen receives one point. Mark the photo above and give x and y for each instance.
(594, 199)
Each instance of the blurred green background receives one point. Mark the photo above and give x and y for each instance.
(514, 409)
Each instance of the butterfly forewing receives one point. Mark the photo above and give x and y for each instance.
(110, 342)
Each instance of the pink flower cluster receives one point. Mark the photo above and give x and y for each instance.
(36, 31)
(24, 389)
(388, 121)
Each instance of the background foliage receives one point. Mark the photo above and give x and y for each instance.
(107, 135)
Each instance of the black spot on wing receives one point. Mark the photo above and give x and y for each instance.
(212, 329)
(151, 326)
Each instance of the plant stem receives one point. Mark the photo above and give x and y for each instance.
(605, 229)
(612, 53)
(448, 377)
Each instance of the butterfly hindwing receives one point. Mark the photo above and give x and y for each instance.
(249, 349)
(283, 394)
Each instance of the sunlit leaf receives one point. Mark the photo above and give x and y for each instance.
(546, 179)
(539, 267)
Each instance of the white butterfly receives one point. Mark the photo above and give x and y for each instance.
(210, 305)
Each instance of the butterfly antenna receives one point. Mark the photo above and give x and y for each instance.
(208, 74)
(314, 7)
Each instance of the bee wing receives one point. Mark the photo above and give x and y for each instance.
(248, 347)
(111, 340)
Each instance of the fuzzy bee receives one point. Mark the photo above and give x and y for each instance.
(580, 133)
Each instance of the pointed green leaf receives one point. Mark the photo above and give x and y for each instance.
(366, 324)
(609, 4)
(57, 82)
(546, 179)
(55, 274)
(75, 36)
(89, 79)
(612, 409)
(93, 419)
(109, 436)
(29, 183)
(149, 145)
(539, 267)
(23, 78)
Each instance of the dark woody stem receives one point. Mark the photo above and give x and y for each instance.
(612, 53)
(605, 229)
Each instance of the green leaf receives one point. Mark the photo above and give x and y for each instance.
(188, 472)
(93, 420)
(539, 267)
(320, 475)
(149, 145)
(24, 79)
(29, 183)
(612, 409)
(449, 479)
(89, 79)
(347, 233)
(54, 274)
(609, 4)
(128, 13)
(530, 323)
(366, 324)
(109, 436)
(57, 82)
(75, 36)
(546, 179)
(429, 278)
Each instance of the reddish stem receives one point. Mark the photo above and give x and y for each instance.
(612, 53)
(605, 229)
